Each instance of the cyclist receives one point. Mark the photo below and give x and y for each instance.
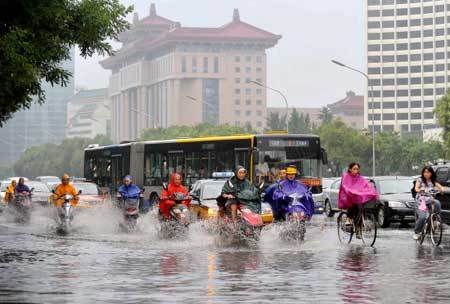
(355, 191)
(425, 183)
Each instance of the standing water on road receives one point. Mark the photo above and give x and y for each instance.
(98, 263)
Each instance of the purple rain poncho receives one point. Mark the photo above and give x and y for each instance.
(287, 188)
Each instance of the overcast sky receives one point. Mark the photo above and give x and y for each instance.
(314, 32)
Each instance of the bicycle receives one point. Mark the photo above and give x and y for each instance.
(363, 225)
(433, 224)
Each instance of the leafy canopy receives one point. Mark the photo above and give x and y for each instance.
(37, 35)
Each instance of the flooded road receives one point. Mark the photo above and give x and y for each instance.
(97, 263)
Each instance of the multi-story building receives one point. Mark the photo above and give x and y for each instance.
(350, 110)
(166, 75)
(89, 114)
(39, 124)
(408, 60)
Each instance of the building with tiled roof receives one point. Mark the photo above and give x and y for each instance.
(350, 109)
(166, 74)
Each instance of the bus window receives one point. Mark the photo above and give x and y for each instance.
(241, 158)
(176, 163)
(225, 161)
(154, 169)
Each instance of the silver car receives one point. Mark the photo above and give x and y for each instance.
(331, 195)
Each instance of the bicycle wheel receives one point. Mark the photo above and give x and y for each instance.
(345, 232)
(424, 233)
(368, 228)
(436, 229)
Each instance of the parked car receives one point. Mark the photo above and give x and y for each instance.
(319, 199)
(396, 203)
(443, 176)
(204, 205)
(330, 197)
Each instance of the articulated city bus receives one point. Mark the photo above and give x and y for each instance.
(152, 162)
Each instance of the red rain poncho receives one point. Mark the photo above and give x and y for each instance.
(166, 203)
(355, 190)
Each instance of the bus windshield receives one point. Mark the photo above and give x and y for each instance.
(270, 163)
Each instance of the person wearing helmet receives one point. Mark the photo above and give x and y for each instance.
(65, 188)
(289, 187)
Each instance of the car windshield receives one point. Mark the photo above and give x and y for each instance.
(395, 186)
(38, 187)
(87, 188)
(50, 179)
(212, 190)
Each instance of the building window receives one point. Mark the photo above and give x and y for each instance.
(237, 59)
(237, 80)
(387, 47)
(402, 104)
(416, 104)
(389, 105)
(216, 64)
(388, 12)
(401, 46)
(258, 91)
(248, 91)
(258, 102)
(416, 115)
(428, 21)
(373, 24)
(237, 69)
(402, 23)
(427, 80)
(237, 102)
(414, 11)
(388, 81)
(402, 116)
(440, 43)
(428, 56)
(388, 70)
(415, 92)
(428, 92)
(237, 91)
(376, 105)
(428, 33)
(258, 113)
(415, 57)
(428, 115)
(183, 64)
(440, 55)
(428, 68)
(416, 69)
(373, 59)
(259, 124)
(402, 93)
(388, 116)
(388, 128)
(402, 70)
(258, 70)
(373, 47)
(373, 36)
(375, 82)
(402, 35)
(415, 34)
(237, 112)
(375, 116)
(248, 102)
(415, 22)
(440, 91)
(428, 45)
(439, 32)
(440, 79)
(248, 58)
(388, 93)
(374, 2)
(402, 81)
(248, 70)
(439, 20)
(416, 80)
(415, 46)
(374, 71)
(402, 11)
(439, 8)
(405, 128)
(248, 113)
(428, 104)
(400, 58)
(194, 65)
(428, 10)
(259, 59)
(205, 64)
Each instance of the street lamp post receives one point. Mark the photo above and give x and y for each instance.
(373, 108)
(282, 95)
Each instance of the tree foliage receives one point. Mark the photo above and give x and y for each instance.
(299, 123)
(394, 154)
(325, 116)
(36, 36)
(51, 159)
(443, 114)
(199, 130)
(275, 122)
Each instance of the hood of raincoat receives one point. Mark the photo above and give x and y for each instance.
(172, 188)
(130, 191)
(355, 190)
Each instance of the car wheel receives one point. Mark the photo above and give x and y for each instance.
(382, 218)
(328, 211)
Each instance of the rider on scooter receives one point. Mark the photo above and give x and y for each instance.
(166, 201)
(21, 188)
(239, 183)
(65, 188)
(291, 186)
(10, 192)
(128, 190)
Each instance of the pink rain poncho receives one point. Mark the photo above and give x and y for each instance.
(355, 190)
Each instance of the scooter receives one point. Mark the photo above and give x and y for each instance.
(65, 215)
(130, 207)
(249, 223)
(23, 205)
(295, 215)
(178, 224)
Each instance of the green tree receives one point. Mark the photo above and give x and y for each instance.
(199, 130)
(443, 114)
(51, 159)
(299, 124)
(275, 122)
(325, 116)
(36, 36)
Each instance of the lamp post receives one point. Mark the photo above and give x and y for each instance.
(373, 108)
(282, 95)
